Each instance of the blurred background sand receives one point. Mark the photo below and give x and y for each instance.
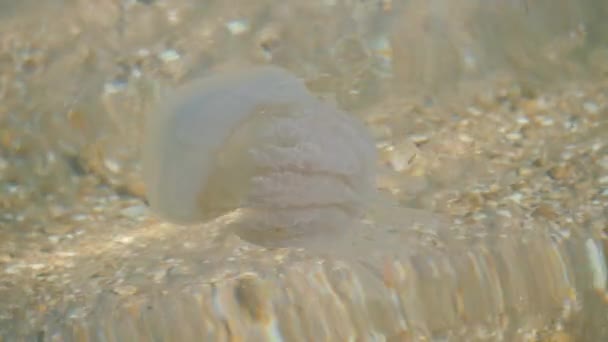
(506, 103)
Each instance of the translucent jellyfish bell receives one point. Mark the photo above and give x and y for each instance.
(185, 135)
(301, 172)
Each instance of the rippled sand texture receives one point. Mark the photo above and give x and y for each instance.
(493, 114)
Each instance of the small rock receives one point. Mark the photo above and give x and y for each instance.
(504, 213)
(419, 138)
(561, 172)
(514, 136)
(545, 121)
(134, 212)
(250, 294)
(112, 165)
(545, 211)
(123, 239)
(5, 258)
(516, 197)
(465, 138)
(125, 290)
(36, 267)
(80, 217)
(169, 55)
(13, 269)
(525, 171)
(478, 216)
(474, 111)
(522, 120)
(591, 107)
(237, 27)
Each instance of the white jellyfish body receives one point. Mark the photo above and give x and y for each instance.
(299, 169)
(185, 134)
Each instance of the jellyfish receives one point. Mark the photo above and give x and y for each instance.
(300, 171)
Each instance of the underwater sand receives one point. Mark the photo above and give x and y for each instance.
(507, 158)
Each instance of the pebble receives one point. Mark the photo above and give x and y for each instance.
(514, 136)
(13, 268)
(123, 239)
(135, 212)
(545, 121)
(516, 197)
(419, 138)
(125, 290)
(561, 172)
(80, 217)
(474, 111)
(237, 27)
(504, 213)
(478, 216)
(173, 16)
(37, 267)
(591, 107)
(112, 165)
(522, 120)
(115, 86)
(465, 138)
(545, 211)
(5, 258)
(169, 55)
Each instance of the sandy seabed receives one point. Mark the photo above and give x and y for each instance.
(505, 156)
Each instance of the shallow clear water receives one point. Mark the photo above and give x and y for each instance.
(491, 114)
